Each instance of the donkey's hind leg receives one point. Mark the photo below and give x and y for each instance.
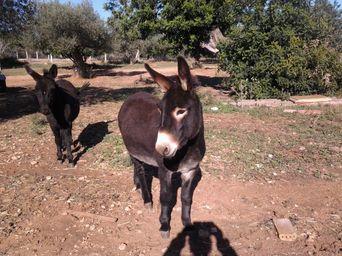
(141, 182)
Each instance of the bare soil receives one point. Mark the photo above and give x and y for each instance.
(260, 164)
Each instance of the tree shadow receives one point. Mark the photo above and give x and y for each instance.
(214, 82)
(205, 81)
(92, 135)
(199, 237)
(106, 72)
(20, 101)
(94, 95)
(17, 102)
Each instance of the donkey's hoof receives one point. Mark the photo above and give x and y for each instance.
(165, 234)
(71, 165)
(149, 206)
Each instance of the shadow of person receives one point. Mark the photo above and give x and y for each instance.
(92, 135)
(199, 237)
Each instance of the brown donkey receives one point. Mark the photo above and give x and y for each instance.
(167, 135)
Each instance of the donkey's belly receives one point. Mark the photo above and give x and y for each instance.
(139, 120)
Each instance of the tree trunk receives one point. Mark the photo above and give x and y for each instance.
(27, 56)
(105, 58)
(37, 57)
(17, 54)
(81, 67)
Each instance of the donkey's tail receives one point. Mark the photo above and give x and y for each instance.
(83, 87)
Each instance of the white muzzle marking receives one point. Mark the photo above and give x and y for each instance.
(166, 144)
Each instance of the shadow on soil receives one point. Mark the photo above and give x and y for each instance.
(17, 102)
(20, 101)
(199, 237)
(206, 81)
(105, 72)
(94, 95)
(92, 135)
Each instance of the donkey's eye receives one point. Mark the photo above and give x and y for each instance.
(180, 112)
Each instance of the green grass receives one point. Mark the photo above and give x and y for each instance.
(114, 152)
(275, 143)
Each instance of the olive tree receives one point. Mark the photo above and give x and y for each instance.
(73, 31)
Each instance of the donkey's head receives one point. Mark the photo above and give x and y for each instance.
(45, 87)
(180, 108)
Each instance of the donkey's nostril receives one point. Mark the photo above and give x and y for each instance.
(166, 151)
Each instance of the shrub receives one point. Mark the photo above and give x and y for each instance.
(274, 51)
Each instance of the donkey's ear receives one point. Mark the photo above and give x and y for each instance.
(32, 73)
(184, 74)
(164, 82)
(53, 71)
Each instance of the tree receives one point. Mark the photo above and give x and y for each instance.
(14, 15)
(73, 31)
(186, 24)
(276, 48)
(133, 23)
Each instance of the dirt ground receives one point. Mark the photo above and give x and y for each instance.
(260, 164)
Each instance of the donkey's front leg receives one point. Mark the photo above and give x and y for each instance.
(168, 198)
(58, 140)
(190, 180)
(68, 142)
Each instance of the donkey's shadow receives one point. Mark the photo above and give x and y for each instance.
(92, 135)
(200, 241)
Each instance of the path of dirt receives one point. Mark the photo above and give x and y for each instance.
(232, 217)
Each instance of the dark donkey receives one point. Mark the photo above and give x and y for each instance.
(59, 101)
(167, 134)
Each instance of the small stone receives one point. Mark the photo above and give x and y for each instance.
(48, 177)
(127, 208)
(33, 162)
(270, 156)
(122, 246)
(302, 148)
(214, 108)
(92, 227)
(139, 212)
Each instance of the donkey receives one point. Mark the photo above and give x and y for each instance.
(167, 135)
(59, 101)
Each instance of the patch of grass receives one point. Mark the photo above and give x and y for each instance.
(274, 144)
(38, 124)
(212, 105)
(114, 151)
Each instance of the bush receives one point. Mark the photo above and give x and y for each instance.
(269, 59)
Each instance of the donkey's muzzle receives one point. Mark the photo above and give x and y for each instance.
(166, 144)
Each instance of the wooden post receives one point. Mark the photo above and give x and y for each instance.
(105, 58)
